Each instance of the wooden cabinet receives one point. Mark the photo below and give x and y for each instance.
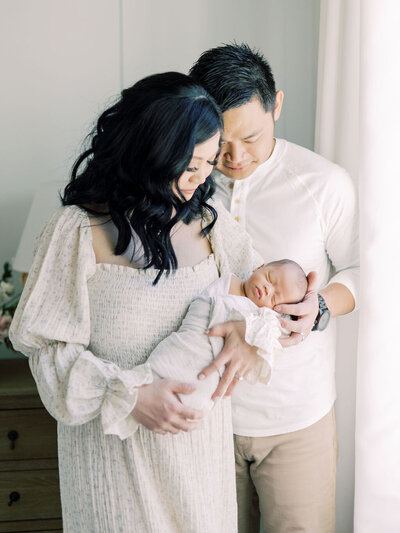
(29, 488)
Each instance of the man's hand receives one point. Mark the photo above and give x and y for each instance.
(237, 356)
(306, 311)
(159, 409)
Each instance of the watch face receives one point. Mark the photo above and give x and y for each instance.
(324, 320)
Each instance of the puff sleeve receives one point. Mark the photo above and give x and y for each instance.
(263, 330)
(232, 245)
(52, 327)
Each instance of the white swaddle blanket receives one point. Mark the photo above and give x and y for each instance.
(183, 354)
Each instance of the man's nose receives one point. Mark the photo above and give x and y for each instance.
(232, 152)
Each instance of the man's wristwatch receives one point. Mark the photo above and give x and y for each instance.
(323, 317)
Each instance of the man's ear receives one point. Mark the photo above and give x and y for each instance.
(278, 104)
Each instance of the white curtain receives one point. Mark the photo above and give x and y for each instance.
(358, 126)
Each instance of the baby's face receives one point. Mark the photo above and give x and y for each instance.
(273, 285)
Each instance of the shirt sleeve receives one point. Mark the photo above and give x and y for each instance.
(340, 217)
(52, 327)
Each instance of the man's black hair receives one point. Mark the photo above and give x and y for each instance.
(233, 74)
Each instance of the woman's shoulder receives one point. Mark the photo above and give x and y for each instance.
(231, 244)
(226, 223)
(69, 224)
(216, 204)
(67, 215)
(70, 217)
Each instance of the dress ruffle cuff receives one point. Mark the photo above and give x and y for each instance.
(263, 330)
(109, 389)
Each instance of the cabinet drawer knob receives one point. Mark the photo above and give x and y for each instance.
(13, 436)
(14, 497)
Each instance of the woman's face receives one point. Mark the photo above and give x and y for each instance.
(200, 167)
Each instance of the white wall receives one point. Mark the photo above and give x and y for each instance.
(60, 62)
(58, 69)
(171, 35)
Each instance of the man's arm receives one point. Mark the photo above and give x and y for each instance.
(339, 222)
(338, 298)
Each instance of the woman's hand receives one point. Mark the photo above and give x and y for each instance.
(306, 311)
(158, 408)
(237, 356)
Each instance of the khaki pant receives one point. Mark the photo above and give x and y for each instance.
(288, 479)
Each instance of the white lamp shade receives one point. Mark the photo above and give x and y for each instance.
(45, 202)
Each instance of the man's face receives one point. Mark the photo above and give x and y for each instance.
(248, 138)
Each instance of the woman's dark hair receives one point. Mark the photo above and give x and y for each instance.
(233, 74)
(139, 148)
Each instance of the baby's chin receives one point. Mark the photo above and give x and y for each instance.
(260, 304)
(265, 306)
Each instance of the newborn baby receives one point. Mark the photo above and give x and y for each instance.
(183, 354)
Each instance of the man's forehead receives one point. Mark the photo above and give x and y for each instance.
(246, 136)
(245, 121)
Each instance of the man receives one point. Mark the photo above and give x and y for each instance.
(298, 205)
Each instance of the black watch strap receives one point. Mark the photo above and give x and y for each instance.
(323, 317)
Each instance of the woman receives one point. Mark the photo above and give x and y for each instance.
(114, 272)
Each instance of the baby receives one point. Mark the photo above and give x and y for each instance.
(183, 354)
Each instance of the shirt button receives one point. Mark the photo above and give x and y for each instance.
(231, 185)
(237, 201)
(237, 219)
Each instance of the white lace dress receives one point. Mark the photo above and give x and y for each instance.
(88, 330)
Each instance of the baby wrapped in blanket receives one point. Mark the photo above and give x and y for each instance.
(183, 354)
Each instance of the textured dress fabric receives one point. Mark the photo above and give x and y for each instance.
(88, 330)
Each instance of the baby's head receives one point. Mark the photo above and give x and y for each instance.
(279, 282)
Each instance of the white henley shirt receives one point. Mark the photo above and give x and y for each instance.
(299, 206)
